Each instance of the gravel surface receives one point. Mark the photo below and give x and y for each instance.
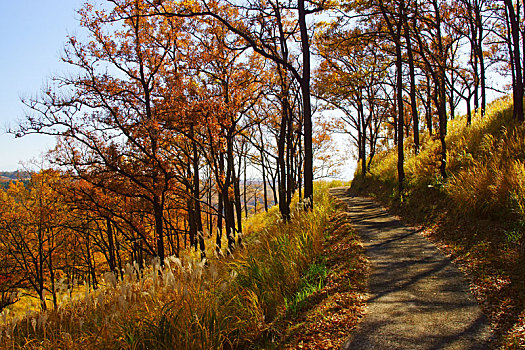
(418, 299)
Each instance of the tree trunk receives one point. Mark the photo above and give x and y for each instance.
(159, 231)
(451, 106)
(481, 60)
(91, 266)
(400, 117)
(228, 202)
(191, 220)
(265, 188)
(51, 268)
(428, 109)
(40, 264)
(263, 169)
(284, 208)
(209, 204)
(111, 246)
(441, 103)
(413, 100)
(196, 201)
(274, 188)
(238, 204)
(361, 116)
(289, 160)
(400, 114)
(360, 155)
(511, 58)
(476, 72)
(307, 108)
(300, 164)
(469, 109)
(442, 115)
(220, 207)
(518, 83)
(119, 260)
(245, 199)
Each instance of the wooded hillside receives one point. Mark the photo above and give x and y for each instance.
(174, 115)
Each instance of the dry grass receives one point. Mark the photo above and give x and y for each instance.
(332, 312)
(228, 303)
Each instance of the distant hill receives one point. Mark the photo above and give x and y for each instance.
(7, 176)
(15, 175)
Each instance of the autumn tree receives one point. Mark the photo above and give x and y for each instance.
(32, 233)
(226, 78)
(349, 79)
(254, 26)
(112, 135)
(472, 19)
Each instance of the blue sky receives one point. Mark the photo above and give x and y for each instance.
(32, 36)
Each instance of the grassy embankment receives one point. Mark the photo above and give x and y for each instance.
(241, 301)
(324, 319)
(477, 214)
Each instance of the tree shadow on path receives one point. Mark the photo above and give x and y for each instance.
(418, 298)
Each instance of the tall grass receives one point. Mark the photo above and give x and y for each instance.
(493, 185)
(485, 165)
(228, 303)
(312, 281)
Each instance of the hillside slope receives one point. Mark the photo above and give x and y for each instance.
(226, 302)
(476, 215)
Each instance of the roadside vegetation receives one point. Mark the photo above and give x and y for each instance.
(233, 302)
(476, 215)
(330, 301)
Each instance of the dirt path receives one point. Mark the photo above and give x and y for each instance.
(418, 299)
